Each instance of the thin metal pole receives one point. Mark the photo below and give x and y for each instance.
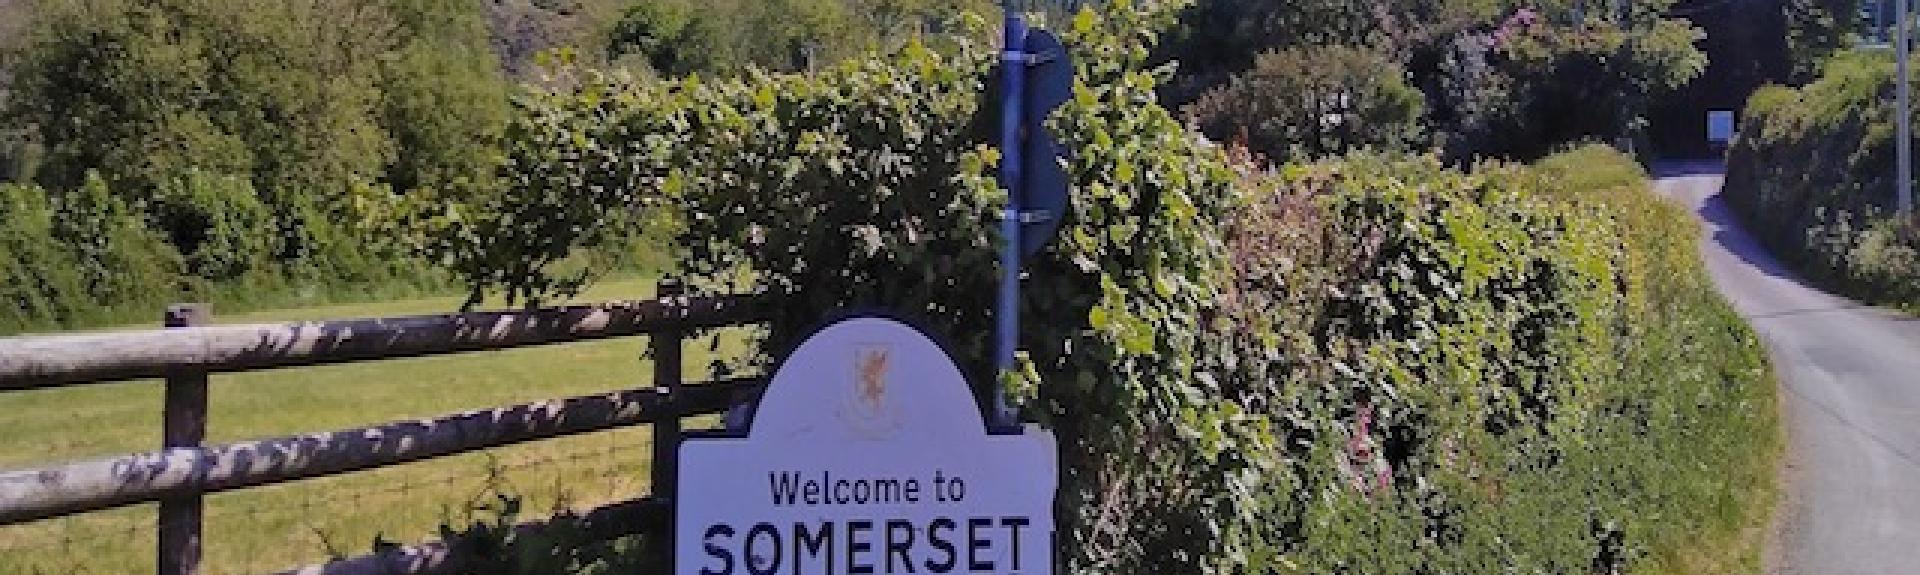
(1013, 64)
(1903, 146)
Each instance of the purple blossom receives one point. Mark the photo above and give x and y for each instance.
(1520, 21)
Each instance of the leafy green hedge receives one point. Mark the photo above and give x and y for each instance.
(1515, 80)
(87, 258)
(1300, 104)
(238, 132)
(83, 255)
(1812, 172)
(1377, 364)
(1518, 369)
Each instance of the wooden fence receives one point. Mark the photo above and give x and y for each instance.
(188, 350)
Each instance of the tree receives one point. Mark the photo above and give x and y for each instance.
(13, 144)
(301, 101)
(1816, 29)
(1592, 80)
(1305, 103)
(1746, 47)
(667, 34)
(1488, 68)
(1217, 39)
(444, 96)
(679, 37)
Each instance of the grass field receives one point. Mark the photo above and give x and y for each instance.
(272, 528)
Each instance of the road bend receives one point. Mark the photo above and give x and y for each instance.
(1850, 392)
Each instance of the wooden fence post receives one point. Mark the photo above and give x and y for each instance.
(666, 347)
(185, 426)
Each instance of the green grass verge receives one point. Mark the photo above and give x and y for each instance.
(1708, 474)
(302, 522)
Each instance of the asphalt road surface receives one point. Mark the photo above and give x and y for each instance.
(1849, 387)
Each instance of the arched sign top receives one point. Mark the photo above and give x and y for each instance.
(867, 378)
(866, 454)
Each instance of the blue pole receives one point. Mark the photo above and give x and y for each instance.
(1013, 64)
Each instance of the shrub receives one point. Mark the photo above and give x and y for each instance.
(77, 258)
(38, 280)
(1307, 103)
(1374, 364)
(1465, 337)
(218, 223)
(85, 258)
(1500, 370)
(1885, 260)
(303, 101)
(120, 259)
(1811, 173)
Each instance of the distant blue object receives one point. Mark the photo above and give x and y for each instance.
(1043, 189)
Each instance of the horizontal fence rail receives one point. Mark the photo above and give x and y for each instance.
(125, 480)
(182, 471)
(44, 361)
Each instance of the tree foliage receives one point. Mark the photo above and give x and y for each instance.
(1315, 102)
(257, 138)
(1497, 78)
(679, 37)
(241, 131)
(77, 256)
(1554, 72)
(1812, 171)
(1815, 30)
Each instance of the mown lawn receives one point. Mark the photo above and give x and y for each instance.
(272, 528)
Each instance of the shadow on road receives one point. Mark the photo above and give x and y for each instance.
(1688, 167)
(1731, 234)
(1728, 231)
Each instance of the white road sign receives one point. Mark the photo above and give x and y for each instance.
(1719, 126)
(867, 454)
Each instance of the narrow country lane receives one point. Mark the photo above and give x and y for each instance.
(1850, 389)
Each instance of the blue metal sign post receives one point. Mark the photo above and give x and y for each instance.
(1036, 77)
(1013, 70)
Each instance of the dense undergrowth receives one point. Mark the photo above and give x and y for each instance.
(1518, 369)
(1374, 364)
(85, 258)
(1812, 173)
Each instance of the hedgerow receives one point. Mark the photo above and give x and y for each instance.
(1514, 80)
(82, 255)
(1312, 102)
(1812, 172)
(1517, 369)
(85, 257)
(1374, 364)
(235, 131)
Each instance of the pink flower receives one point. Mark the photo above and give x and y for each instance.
(1520, 21)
